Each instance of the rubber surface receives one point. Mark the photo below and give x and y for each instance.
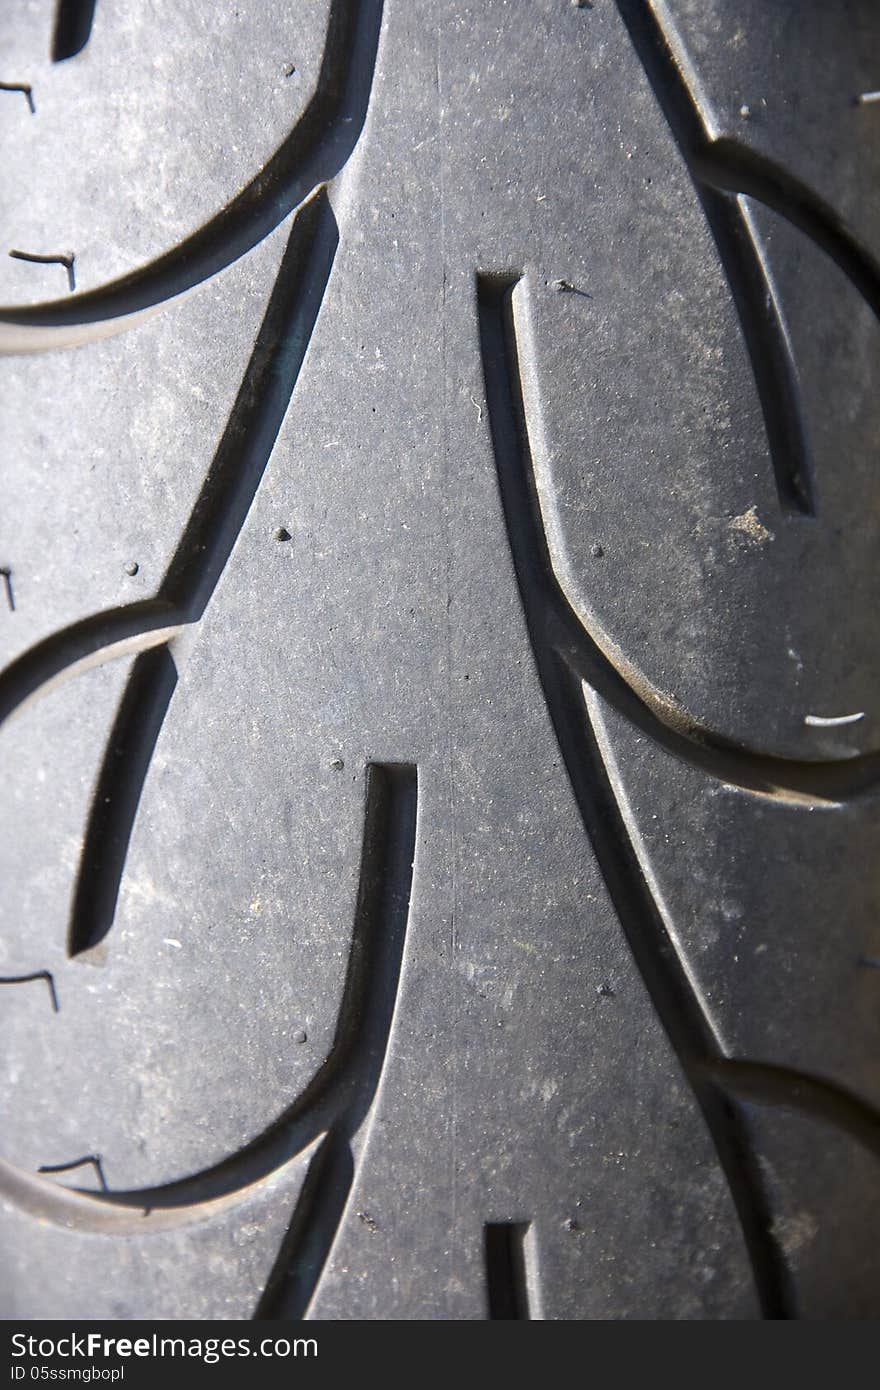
(439, 734)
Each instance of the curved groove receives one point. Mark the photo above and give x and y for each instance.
(316, 1217)
(784, 1088)
(315, 150)
(734, 168)
(721, 166)
(229, 488)
(78, 1210)
(769, 348)
(593, 659)
(89, 642)
(676, 999)
(742, 259)
(116, 797)
(785, 779)
(200, 558)
(366, 1019)
(340, 1094)
(256, 417)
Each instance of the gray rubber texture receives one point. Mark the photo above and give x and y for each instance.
(440, 738)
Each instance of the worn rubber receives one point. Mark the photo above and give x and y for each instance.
(438, 707)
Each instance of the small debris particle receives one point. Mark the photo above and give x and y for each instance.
(605, 991)
(132, 568)
(282, 534)
(570, 1224)
(748, 525)
(745, 111)
(288, 72)
(172, 941)
(300, 1036)
(596, 551)
(367, 1220)
(867, 98)
(819, 721)
(568, 287)
(337, 764)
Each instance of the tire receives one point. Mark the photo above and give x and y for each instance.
(439, 734)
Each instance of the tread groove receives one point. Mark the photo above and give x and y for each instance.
(506, 1278)
(721, 170)
(366, 1015)
(230, 484)
(73, 28)
(676, 1001)
(199, 560)
(763, 327)
(340, 1095)
(625, 689)
(313, 153)
(116, 797)
(306, 1245)
(785, 1088)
